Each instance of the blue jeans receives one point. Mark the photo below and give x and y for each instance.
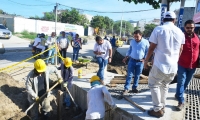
(134, 68)
(102, 63)
(50, 54)
(75, 53)
(184, 77)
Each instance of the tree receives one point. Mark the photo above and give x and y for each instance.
(84, 21)
(98, 22)
(148, 29)
(1, 11)
(154, 3)
(129, 28)
(49, 16)
(109, 22)
(71, 16)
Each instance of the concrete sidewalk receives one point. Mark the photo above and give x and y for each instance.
(143, 99)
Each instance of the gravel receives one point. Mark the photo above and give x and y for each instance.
(116, 92)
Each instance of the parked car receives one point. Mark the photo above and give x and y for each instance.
(4, 32)
(2, 49)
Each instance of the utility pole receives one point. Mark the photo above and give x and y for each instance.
(56, 58)
(163, 10)
(180, 16)
(120, 26)
(125, 29)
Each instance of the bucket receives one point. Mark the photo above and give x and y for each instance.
(80, 73)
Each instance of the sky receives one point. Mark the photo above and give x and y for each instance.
(26, 8)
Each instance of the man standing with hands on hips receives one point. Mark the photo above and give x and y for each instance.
(136, 52)
(103, 52)
(167, 43)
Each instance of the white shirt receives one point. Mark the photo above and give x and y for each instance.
(103, 48)
(51, 40)
(36, 41)
(169, 39)
(95, 101)
(63, 42)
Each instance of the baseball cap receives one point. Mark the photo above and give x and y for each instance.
(169, 14)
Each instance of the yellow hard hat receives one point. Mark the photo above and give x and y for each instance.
(68, 62)
(94, 78)
(40, 65)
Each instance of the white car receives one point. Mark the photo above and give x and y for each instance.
(4, 32)
(2, 49)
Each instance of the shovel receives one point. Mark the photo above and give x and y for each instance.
(76, 106)
(41, 97)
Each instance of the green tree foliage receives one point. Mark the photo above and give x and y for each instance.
(109, 22)
(98, 21)
(1, 11)
(129, 28)
(154, 3)
(84, 21)
(148, 29)
(71, 16)
(49, 16)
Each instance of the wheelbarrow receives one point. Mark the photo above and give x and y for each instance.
(84, 60)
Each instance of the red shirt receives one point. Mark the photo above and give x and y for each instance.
(190, 53)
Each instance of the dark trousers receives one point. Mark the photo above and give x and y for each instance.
(63, 54)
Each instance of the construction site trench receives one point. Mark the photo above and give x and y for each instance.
(14, 97)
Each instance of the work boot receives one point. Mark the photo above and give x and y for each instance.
(180, 107)
(158, 114)
(125, 92)
(134, 90)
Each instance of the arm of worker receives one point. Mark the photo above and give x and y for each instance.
(146, 50)
(183, 42)
(153, 43)
(128, 53)
(107, 96)
(29, 86)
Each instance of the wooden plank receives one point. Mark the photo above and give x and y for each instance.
(60, 104)
(141, 81)
(111, 85)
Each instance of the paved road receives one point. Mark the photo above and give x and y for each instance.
(15, 43)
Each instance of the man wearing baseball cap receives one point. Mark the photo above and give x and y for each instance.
(167, 44)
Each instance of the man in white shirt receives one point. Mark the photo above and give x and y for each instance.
(167, 44)
(63, 44)
(50, 42)
(96, 97)
(103, 52)
(37, 42)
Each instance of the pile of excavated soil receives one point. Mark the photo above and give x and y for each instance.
(12, 99)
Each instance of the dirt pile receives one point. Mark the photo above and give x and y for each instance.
(13, 99)
(117, 59)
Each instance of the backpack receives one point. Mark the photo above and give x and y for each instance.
(43, 41)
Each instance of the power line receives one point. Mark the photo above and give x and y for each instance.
(106, 11)
(28, 4)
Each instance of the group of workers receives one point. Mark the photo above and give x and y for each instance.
(172, 51)
(62, 42)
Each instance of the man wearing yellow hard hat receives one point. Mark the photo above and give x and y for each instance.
(67, 72)
(96, 97)
(37, 84)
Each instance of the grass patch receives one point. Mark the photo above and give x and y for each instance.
(28, 35)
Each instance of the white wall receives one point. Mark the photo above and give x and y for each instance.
(90, 31)
(39, 26)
